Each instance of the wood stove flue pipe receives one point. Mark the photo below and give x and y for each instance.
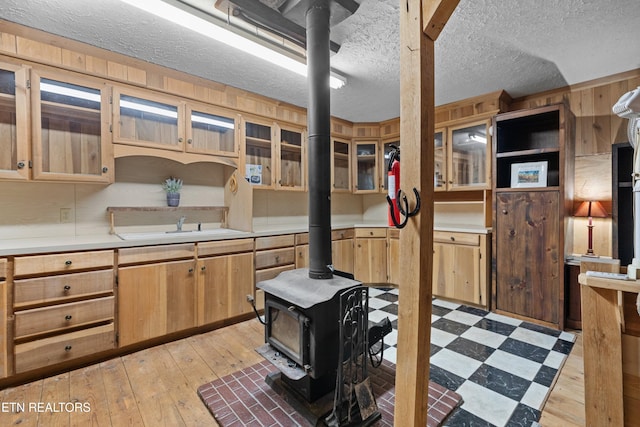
(319, 128)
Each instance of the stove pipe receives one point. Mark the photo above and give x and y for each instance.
(319, 128)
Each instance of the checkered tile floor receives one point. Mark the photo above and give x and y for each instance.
(502, 367)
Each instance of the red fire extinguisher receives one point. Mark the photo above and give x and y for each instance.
(393, 182)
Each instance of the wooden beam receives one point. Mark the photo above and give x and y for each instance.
(436, 13)
(417, 119)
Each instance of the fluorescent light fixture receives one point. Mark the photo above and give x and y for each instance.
(209, 29)
(477, 138)
(210, 120)
(149, 109)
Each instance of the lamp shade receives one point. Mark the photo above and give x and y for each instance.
(591, 208)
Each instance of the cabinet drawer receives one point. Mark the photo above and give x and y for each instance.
(61, 348)
(302, 239)
(71, 261)
(342, 234)
(371, 232)
(3, 269)
(458, 238)
(393, 233)
(59, 317)
(271, 273)
(225, 247)
(275, 257)
(62, 287)
(156, 253)
(272, 242)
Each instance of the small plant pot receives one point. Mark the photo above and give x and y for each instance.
(173, 199)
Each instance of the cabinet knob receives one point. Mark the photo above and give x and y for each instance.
(504, 211)
(67, 348)
(20, 165)
(67, 262)
(453, 239)
(277, 258)
(191, 270)
(66, 288)
(105, 169)
(203, 268)
(68, 317)
(189, 141)
(180, 139)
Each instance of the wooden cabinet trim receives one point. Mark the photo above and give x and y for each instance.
(302, 239)
(348, 233)
(155, 253)
(275, 257)
(374, 232)
(3, 268)
(224, 247)
(272, 242)
(270, 273)
(456, 238)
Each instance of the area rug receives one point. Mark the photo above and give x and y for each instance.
(245, 399)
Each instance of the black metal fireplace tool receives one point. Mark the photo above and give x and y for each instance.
(404, 211)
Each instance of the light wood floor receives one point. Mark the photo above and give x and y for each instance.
(157, 386)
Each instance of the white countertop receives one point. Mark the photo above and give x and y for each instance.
(111, 241)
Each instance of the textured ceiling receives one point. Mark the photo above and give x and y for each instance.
(522, 46)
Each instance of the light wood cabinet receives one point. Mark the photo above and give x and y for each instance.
(14, 119)
(4, 331)
(70, 128)
(156, 299)
(365, 167)
(64, 307)
(341, 250)
(259, 152)
(292, 151)
(225, 278)
(393, 258)
(462, 156)
(211, 130)
(340, 165)
(461, 266)
(370, 255)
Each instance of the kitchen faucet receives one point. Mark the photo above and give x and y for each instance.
(180, 223)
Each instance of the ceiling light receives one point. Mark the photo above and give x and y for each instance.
(207, 27)
(478, 138)
(69, 91)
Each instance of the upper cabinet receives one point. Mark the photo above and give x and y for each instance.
(148, 119)
(462, 156)
(341, 165)
(291, 150)
(365, 163)
(14, 130)
(70, 128)
(259, 149)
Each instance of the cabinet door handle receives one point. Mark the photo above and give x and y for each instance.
(67, 348)
(20, 165)
(191, 270)
(68, 317)
(453, 239)
(105, 169)
(277, 258)
(180, 139)
(203, 268)
(66, 288)
(189, 141)
(504, 211)
(67, 262)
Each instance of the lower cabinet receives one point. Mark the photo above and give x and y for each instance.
(461, 267)
(156, 299)
(341, 250)
(393, 259)
(371, 255)
(224, 279)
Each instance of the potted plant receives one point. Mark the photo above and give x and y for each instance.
(172, 186)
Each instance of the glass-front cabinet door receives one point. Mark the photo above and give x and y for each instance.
(70, 125)
(469, 156)
(258, 155)
(440, 160)
(366, 166)
(341, 167)
(147, 119)
(291, 154)
(212, 131)
(14, 142)
(387, 148)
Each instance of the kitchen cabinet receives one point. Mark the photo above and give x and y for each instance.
(365, 167)
(273, 255)
(70, 128)
(462, 156)
(4, 338)
(291, 165)
(157, 295)
(370, 255)
(64, 307)
(393, 258)
(530, 215)
(461, 266)
(14, 119)
(302, 250)
(225, 278)
(153, 120)
(341, 250)
(259, 149)
(341, 165)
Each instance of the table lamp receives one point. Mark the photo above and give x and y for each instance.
(590, 209)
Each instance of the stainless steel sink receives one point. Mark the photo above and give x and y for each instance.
(177, 234)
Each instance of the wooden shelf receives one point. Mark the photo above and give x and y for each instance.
(526, 152)
(265, 143)
(113, 209)
(290, 147)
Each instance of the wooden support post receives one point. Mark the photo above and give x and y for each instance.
(416, 239)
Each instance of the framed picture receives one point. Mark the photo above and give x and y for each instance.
(532, 174)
